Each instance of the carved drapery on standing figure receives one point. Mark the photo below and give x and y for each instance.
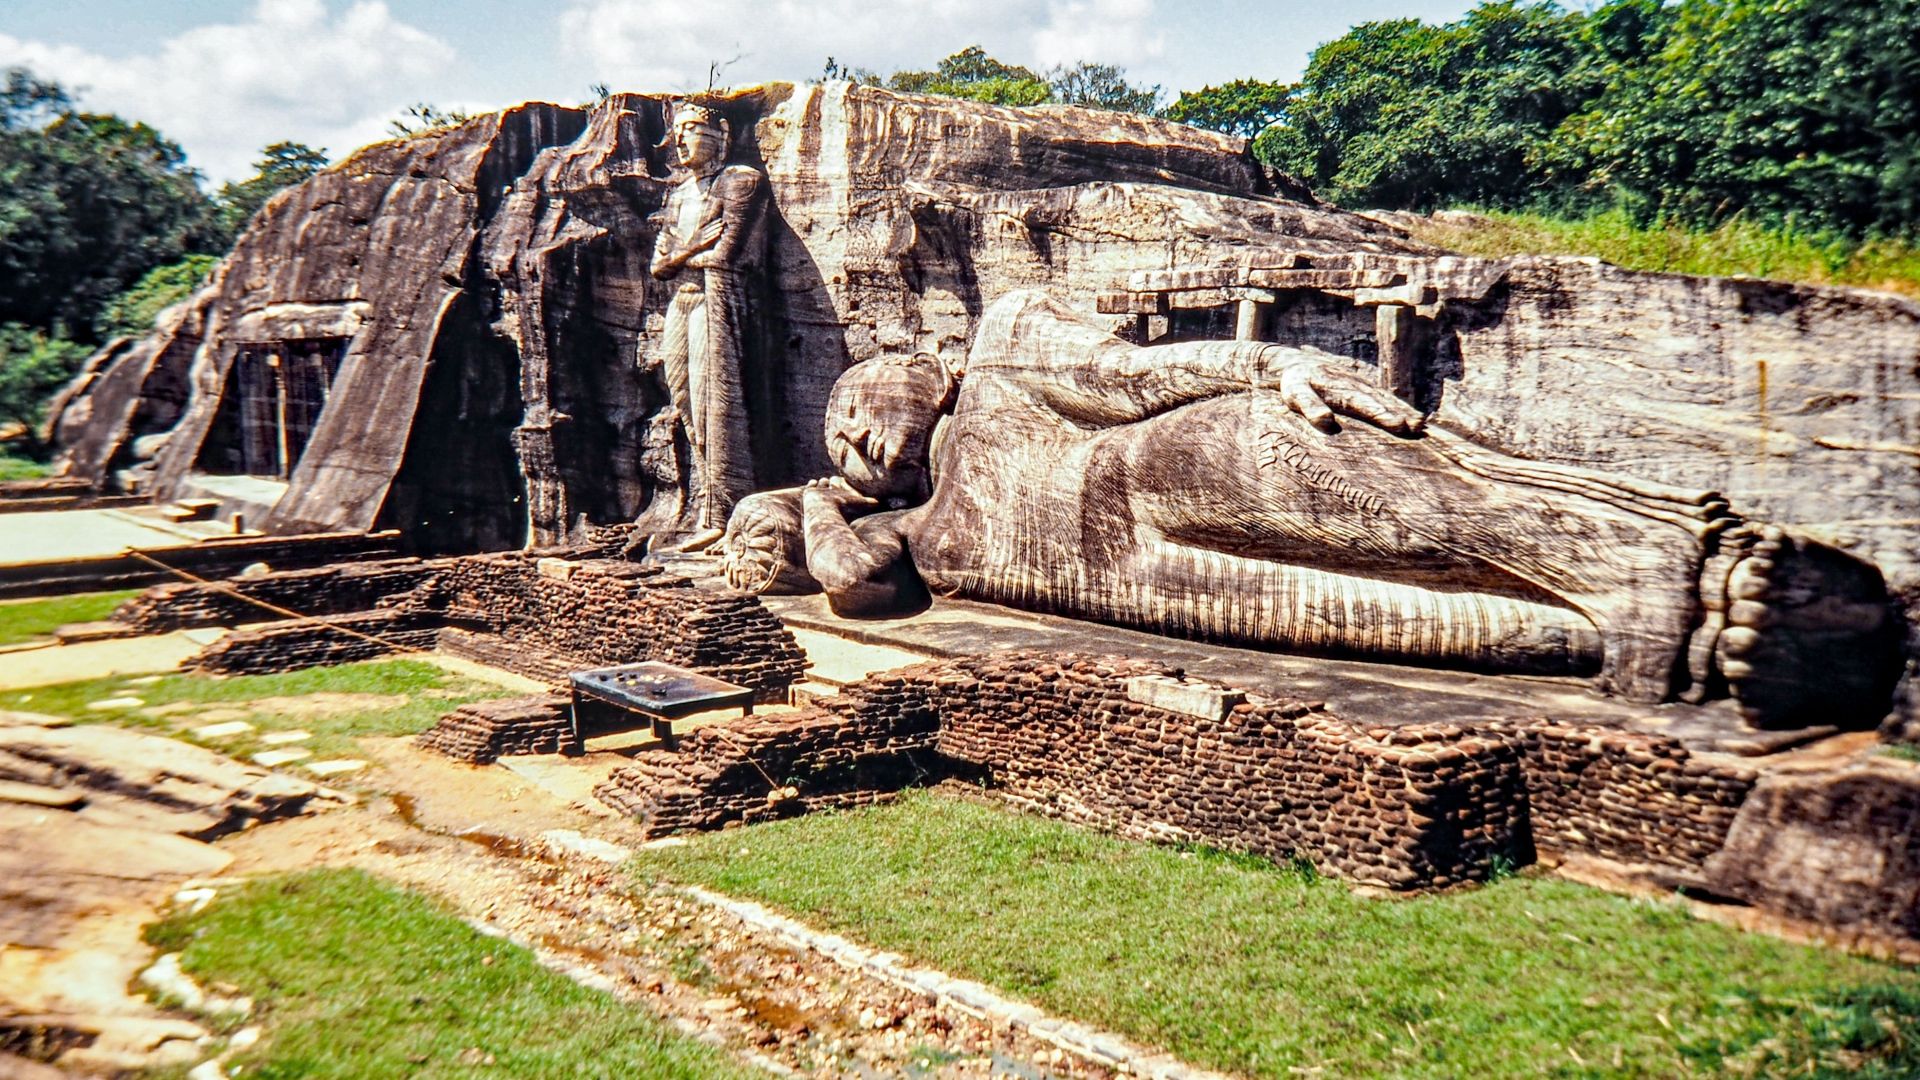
(710, 250)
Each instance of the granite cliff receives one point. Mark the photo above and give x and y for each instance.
(480, 303)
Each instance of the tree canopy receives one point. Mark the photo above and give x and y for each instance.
(88, 203)
(281, 165)
(133, 311)
(1788, 111)
(33, 367)
(1784, 110)
(972, 74)
(1243, 107)
(422, 117)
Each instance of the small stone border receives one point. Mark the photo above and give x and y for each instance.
(1101, 1047)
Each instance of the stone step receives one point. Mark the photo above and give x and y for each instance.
(100, 630)
(831, 678)
(838, 661)
(190, 509)
(802, 694)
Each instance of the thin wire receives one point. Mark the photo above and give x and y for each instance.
(221, 586)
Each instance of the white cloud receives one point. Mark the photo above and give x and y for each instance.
(294, 69)
(667, 45)
(1104, 31)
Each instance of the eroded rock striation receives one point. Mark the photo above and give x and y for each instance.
(459, 333)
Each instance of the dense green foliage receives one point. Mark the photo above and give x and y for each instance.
(359, 979)
(1785, 110)
(102, 224)
(1735, 246)
(972, 74)
(1234, 963)
(18, 468)
(1244, 107)
(1794, 114)
(1791, 112)
(88, 203)
(33, 366)
(133, 311)
(1404, 114)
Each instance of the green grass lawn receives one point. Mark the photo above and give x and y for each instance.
(1234, 963)
(336, 704)
(355, 978)
(15, 468)
(26, 620)
(1737, 247)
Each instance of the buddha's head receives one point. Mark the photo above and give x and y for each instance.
(880, 421)
(700, 136)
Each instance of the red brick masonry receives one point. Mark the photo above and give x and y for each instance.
(1412, 807)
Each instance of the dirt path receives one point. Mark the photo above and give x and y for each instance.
(475, 838)
(472, 838)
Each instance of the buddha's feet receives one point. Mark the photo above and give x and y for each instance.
(1811, 636)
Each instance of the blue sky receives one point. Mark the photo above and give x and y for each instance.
(226, 77)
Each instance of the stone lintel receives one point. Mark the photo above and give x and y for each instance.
(1189, 696)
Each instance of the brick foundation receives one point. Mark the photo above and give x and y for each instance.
(485, 731)
(507, 654)
(853, 748)
(322, 590)
(1417, 806)
(1625, 795)
(501, 609)
(1412, 807)
(599, 613)
(303, 643)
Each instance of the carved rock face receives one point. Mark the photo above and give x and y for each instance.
(509, 257)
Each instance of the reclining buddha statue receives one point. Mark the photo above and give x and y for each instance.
(1265, 495)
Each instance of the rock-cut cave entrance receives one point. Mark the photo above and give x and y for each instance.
(274, 396)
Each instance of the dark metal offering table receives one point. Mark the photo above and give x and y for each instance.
(608, 700)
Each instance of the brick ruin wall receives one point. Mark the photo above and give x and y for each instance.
(1623, 795)
(507, 654)
(293, 644)
(1410, 807)
(501, 609)
(1419, 806)
(599, 613)
(485, 731)
(856, 747)
(321, 590)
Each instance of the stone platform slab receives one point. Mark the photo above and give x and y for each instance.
(1384, 694)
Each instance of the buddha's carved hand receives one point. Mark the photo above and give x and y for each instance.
(835, 493)
(1317, 389)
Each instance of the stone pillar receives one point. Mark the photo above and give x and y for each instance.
(1249, 319)
(1397, 334)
